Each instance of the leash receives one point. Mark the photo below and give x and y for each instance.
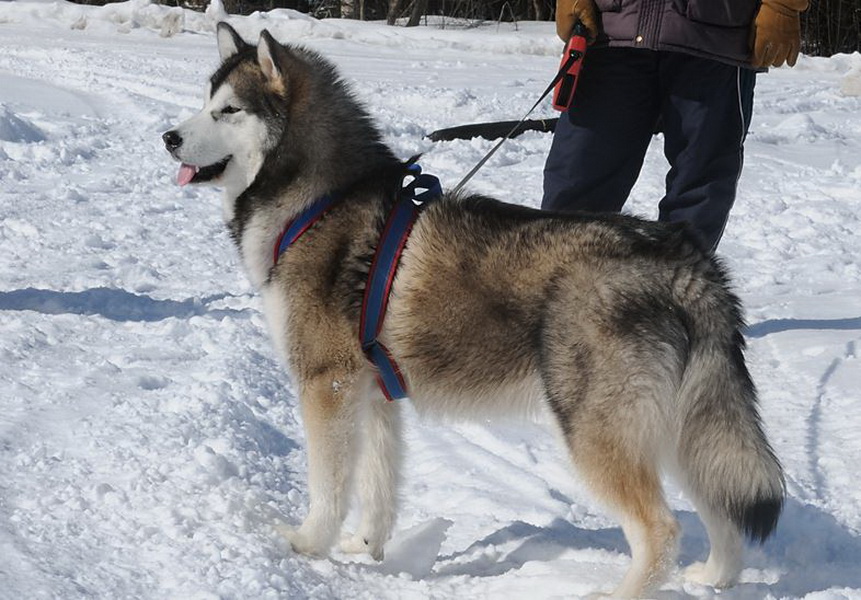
(567, 74)
(414, 197)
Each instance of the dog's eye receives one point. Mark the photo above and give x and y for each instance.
(229, 110)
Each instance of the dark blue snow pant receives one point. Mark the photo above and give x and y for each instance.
(704, 108)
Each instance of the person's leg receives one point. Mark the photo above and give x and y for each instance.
(706, 112)
(599, 144)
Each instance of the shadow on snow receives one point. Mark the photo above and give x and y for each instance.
(113, 304)
(811, 551)
(771, 326)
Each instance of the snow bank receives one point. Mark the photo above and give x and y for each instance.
(16, 129)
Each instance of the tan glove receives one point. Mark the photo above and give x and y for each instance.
(777, 33)
(569, 11)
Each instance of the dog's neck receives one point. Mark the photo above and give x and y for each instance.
(256, 225)
(235, 183)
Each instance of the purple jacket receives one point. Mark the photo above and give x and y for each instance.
(717, 29)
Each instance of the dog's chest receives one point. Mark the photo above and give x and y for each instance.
(276, 309)
(256, 242)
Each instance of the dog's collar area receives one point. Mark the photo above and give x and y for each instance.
(414, 196)
(298, 226)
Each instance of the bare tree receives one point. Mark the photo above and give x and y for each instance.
(831, 26)
(420, 8)
(394, 11)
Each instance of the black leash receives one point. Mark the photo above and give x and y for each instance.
(565, 66)
(502, 140)
(573, 56)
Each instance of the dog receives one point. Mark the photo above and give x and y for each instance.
(623, 330)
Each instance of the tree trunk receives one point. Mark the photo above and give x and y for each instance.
(419, 9)
(394, 11)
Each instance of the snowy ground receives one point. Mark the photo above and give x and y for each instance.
(149, 439)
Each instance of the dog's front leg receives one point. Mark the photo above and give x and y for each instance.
(329, 418)
(378, 473)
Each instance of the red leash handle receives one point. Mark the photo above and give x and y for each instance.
(575, 50)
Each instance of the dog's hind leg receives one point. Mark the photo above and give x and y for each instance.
(328, 413)
(630, 485)
(725, 555)
(610, 376)
(616, 454)
(377, 474)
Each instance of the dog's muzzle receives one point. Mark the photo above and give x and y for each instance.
(192, 173)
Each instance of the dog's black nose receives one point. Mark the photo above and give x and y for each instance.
(172, 140)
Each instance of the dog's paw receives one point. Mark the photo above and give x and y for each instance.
(356, 544)
(704, 573)
(697, 573)
(300, 542)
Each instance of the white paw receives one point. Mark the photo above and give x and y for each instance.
(357, 544)
(354, 544)
(705, 574)
(301, 542)
(697, 573)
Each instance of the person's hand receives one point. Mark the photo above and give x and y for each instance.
(569, 12)
(777, 33)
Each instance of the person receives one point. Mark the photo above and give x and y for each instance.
(688, 66)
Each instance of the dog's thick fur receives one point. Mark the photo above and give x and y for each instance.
(623, 328)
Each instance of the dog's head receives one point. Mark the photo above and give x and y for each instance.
(243, 117)
(278, 116)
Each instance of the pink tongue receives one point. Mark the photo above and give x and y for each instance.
(186, 174)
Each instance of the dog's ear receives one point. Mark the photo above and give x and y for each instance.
(229, 42)
(268, 53)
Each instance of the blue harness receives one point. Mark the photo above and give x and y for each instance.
(414, 196)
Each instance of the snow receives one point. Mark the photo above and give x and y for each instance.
(149, 440)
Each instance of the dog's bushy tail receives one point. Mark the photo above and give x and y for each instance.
(723, 453)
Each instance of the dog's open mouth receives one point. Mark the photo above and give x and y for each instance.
(192, 174)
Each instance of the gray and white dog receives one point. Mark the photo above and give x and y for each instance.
(622, 328)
